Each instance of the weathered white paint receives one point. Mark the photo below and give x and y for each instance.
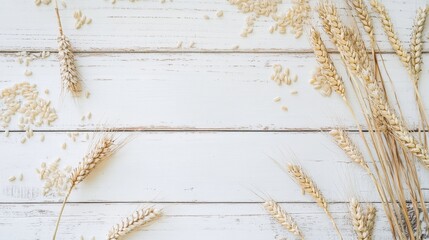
(181, 221)
(152, 26)
(200, 91)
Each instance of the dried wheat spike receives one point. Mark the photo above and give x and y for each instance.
(396, 126)
(388, 29)
(363, 14)
(309, 187)
(69, 75)
(358, 219)
(326, 64)
(138, 219)
(416, 45)
(283, 218)
(103, 149)
(350, 46)
(371, 213)
(345, 143)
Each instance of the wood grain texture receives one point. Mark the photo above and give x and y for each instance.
(181, 221)
(191, 167)
(200, 91)
(152, 26)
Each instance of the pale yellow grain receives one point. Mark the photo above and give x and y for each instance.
(6, 133)
(28, 73)
(64, 146)
(293, 92)
(21, 177)
(89, 116)
(42, 137)
(206, 17)
(88, 94)
(46, 91)
(277, 99)
(23, 140)
(219, 13)
(12, 178)
(284, 108)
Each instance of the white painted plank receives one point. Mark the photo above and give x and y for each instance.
(181, 221)
(199, 91)
(152, 26)
(188, 167)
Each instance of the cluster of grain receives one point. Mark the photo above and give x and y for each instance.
(26, 58)
(81, 19)
(283, 77)
(296, 18)
(23, 99)
(56, 181)
(256, 8)
(38, 2)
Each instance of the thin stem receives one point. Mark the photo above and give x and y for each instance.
(61, 211)
(333, 223)
(60, 27)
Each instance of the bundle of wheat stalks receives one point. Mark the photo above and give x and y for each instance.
(390, 145)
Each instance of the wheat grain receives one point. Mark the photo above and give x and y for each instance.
(277, 99)
(309, 187)
(12, 178)
(285, 108)
(388, 29)
(219, 13)
(138, 219)
(363, 14)
(345, 143)
(416, 44)
(321, 83)
(283, 218)
(327, 66)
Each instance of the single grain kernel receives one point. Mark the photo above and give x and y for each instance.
(219, 13)
(277, 99)
(284, 108)
(12, 178)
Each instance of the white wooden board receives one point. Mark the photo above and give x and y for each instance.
(200, 91)
(181, 221)
(191, 167)
(152, 26)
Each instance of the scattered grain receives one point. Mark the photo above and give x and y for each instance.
(55, 179)
(21, 177)
(89, 116)
(42, 137)
(12, 178)
(284, 108)
(219, 13)
(277, 99)
(23, 140)
(294, 92)
(192, 45)
(206, 17)
(296, 18)
(64, 146)
(88, 94)
(64, 4)
(28, 73)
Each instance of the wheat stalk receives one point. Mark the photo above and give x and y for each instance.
(283, 218)
(138, 219)
(416, 45)
(326, 64)
(69, 75)
(362, 12)
(345, 143)
(388, 29)
(309, 187)
(358, 219)
(103, 150)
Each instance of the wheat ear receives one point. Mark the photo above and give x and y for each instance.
(69, 75)
(358, 219)
(388, 29)
(138, 219)
(416, 45)
(345, 143)
(309, 187)
(103, 149)
(363, 14)
(283, 218)
(326, 64)
(371, 213)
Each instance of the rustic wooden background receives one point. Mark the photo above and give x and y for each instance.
(205, 127)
